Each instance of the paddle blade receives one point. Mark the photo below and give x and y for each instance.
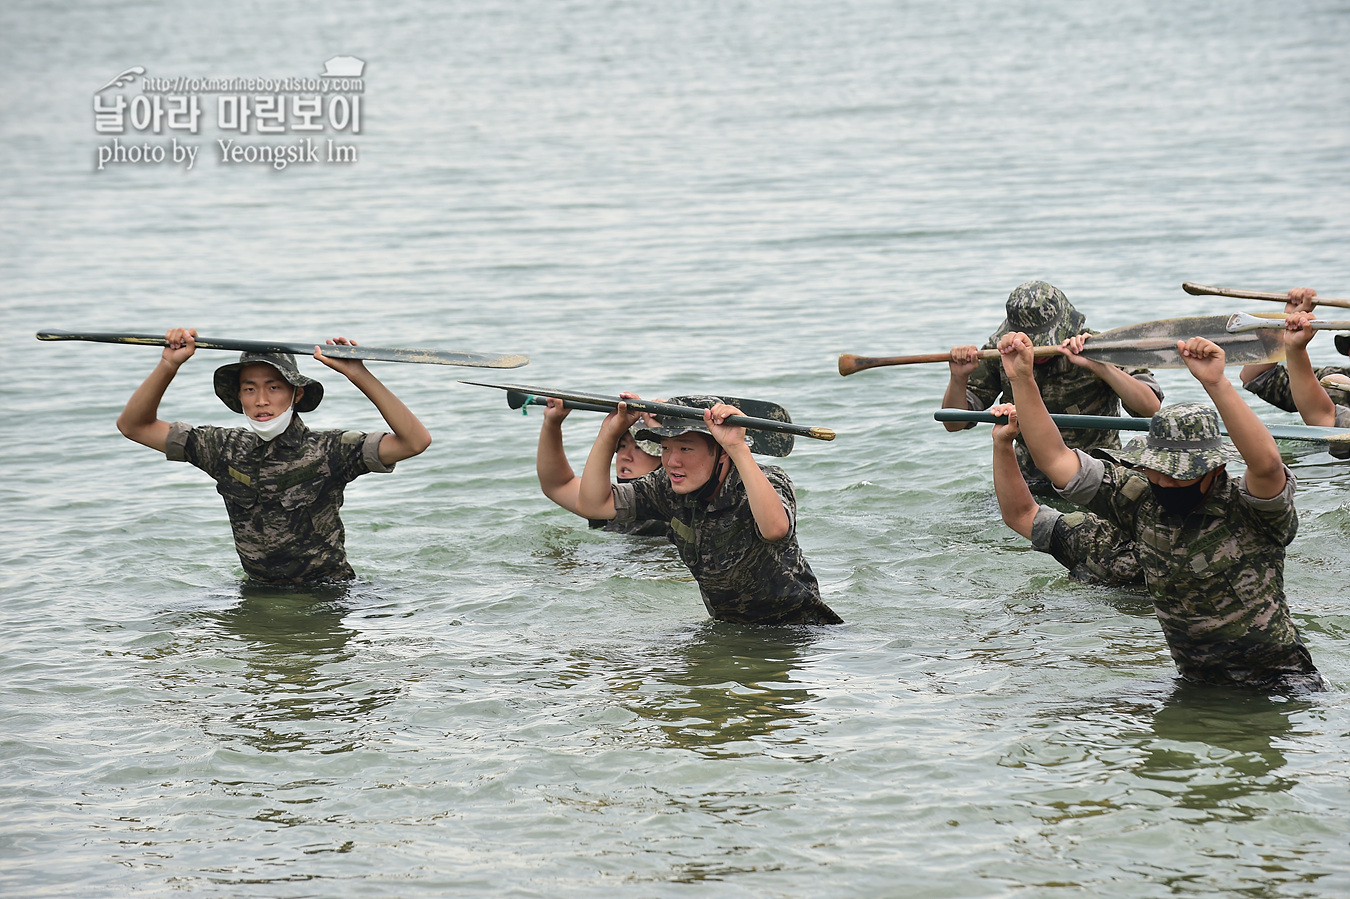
(1154, 344)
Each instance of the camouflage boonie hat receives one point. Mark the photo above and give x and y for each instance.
(1183, 442)
(1043, 313)
(227, 380)
(650, 447)
(680, 426)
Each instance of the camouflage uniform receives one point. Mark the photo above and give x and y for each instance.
(1273, 385)
(282, 496)
(649, 528)
(1216, 574)
(1046, 316)
(1095, 551)
(741, 576)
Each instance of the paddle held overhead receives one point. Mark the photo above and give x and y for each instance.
(1304, 433)
(333, 351)
(1201, 290)
(777, 425)
(1146, 345)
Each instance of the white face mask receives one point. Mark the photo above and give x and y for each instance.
(272, 428)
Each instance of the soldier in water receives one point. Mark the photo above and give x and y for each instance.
(1092, 549)
(1314, 403)
(1070, 383)
(633, 458)
(282, 483)
(1211, 546)
(732, 520)
(1270, 381)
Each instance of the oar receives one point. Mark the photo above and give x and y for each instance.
(333, 351)
(766, 443)
(1305, 433)
(782, 425)
(1200, 290)
(1240, 322)
(1146, 345)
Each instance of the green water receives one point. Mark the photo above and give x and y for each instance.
(670, 199)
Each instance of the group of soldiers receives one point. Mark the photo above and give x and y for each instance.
(1162, 512)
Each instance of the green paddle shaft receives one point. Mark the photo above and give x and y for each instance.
(333, 351)
(1305, 433)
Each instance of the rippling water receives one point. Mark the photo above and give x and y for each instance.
(668, 198)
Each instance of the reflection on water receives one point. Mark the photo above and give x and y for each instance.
(727, 687)
(1212, 746)
(296, 676)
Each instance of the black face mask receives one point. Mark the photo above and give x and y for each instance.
(1179, 500)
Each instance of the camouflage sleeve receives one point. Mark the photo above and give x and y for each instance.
(782, 485)
(641, 499)
(1273, 387)
(196, 446)
(1276, 516)
(355, 453)
(1109, 491)
(1043, 528)
(1342, 421)
(1145, 377)
(1087, 483)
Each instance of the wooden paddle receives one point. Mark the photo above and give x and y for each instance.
(333, 351)
(1200, 290)
(1146, 345)
(670, 410)
(1304, 433)
(767, 443)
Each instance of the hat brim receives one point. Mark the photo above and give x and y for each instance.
(226, 383)
(1181, 465)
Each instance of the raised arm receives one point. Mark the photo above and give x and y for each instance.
(410, 437)
(1310, 397)
(556, 478)
(140, 419)
(595, 498)
(962, 361)
(1058, 462)
(1137, 396)
(1300, 299)
(1015, 502)
(766, 505)
(1265, 469)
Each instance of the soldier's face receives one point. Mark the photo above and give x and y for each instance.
(631, 462)
(263, 392)
(688, 460)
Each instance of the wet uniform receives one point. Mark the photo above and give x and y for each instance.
(1094, 550)
(1216, 574)
(741, 576)
(282, 496)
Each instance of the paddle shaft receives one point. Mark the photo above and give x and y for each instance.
(1304, 433)
(1201, 290)
(665, 410)
(1145, 345)
(333, 351)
